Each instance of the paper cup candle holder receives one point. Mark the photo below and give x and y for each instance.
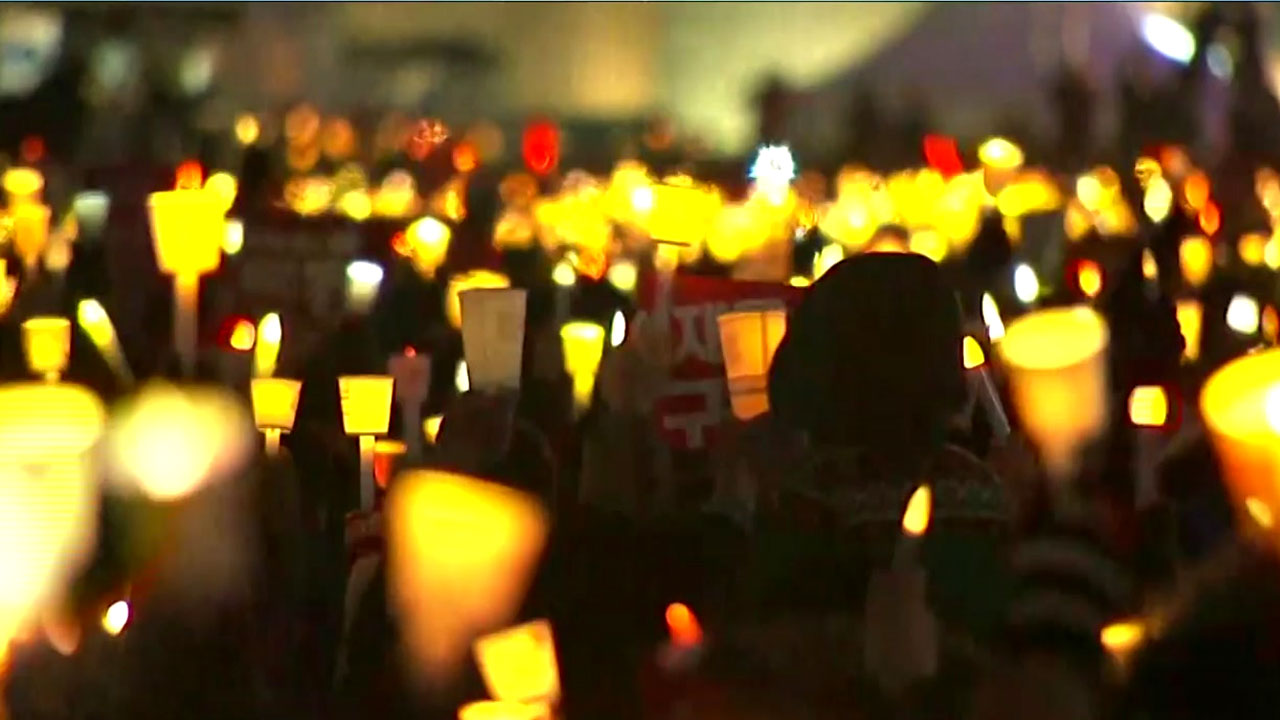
(187, 229)
(519, 664)
(749, 340)
(493, 337)
(46, 342)
(1241, 408)
(460, 555)
(583, 345)
(1056, 362)
(275, 405)
(366, 413)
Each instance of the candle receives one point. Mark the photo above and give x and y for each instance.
(366, 412)
(275, 405)
(979, 378)
(493, 337)
(97, 325)
(1148, 411)
(187, 229)
(266, 350)
(1241, 408)
(502, 710)
(748, 340)
(684, 645)
(364, 278)
(519, 664)
(1121, 640)
(30, 233)
(915, 522)
(46, 342)
(583, 344)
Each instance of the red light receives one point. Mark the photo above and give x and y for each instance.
(190, 176)
(1210, 218)
(465, 158)
(32, 149)
(943, 155)
(683, 625)
(237, 333)
(410, 352)
(541, 147)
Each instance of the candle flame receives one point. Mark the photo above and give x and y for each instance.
(973, 355)
(116, 617)
(1260, 512)
(683, 625)
(915, 520)
(1089, 276)
(1122, 637)
(243, 336)
(1148, 406)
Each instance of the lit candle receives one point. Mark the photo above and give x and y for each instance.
(915, 522)
(493, 337)
(583, 344)
(683, 648)
(30, 233)
(366, 412)
(502, 710)
(748, 340)
(1241, 408)
(519, 664)
(46, 342)
(364, 278)
(975, 365)
(1148, 411)
(275, 405)
(187, 230)
(1121, 640)
(266, 350)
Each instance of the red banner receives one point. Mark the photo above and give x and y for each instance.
(695, 400)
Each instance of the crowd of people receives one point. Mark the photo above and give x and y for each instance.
(785, 541)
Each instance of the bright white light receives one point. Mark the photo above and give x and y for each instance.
(1169, 37)
(1242, 315)
(233, 240)
(116, 617)
(1218, 58)
(991, 318)
(462, 378)
(364, 272)
(617, 329)
(1025, 284)
(773, 166)
(269, 330)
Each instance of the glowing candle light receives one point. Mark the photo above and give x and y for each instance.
(1190, 314)
(748, 341)
(1089, 277)
(1148, 406)
(223, 186)
(1025, 284)
(115, 618)
(93, 319)
(431, 427)
(583, 344)
(1243, 314)
(187, 230)
(980, 384)
(519, 664)
(622, 274)
(267, 349)
(460, 555)
(617, 329)
(275, 405)
(1241, 408)
(462, 378)
(428, 243)
(1121, 639)
(91, 208)
(366, 412)
(30, 233)
(472, 280)
(915, 523)
(46, 342)
(22, 185)
(233, 241)
(364, 279)
(1196, 257)
(1057, 371)
(502, 710)
(991, 318)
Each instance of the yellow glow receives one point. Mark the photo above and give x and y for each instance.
(1196, 257)
(1148, 406)
(682, 626)
(356, 205)
(49, 497)
(460, 554)
(397, 196)
(1196, 190)
(748, 341)
(617, 329)
(1025, 284)
(1190, 314)
(1032, 193)
(1056, 362)
(46, 343)
(583, 344)
(915, 519)
(115, 618)
(563, 274)
(266, 351)
(223, 186)
(93, 319)
(1271, 253)
(462, 377)
(22, 185)
(309, 196)
(991, 318)
(1089, 276)
(1243, 314)
(247, 129)
(1270, 324)
(1147, 169)
(1090, 193)
(502, 710)
(431, 427)
(681, 214)
(187, 230)
(1252, 248)
(622, 274)
(1240, 404)
(428, 244)
(1076, 221)
(799, 281)
(470, 280)
(1121, 638)
(928, 243)
(972, 353)
(275, 402)
(243, 336)
(642, 200)
(998, 152)
(364, 279)
(826, 259)
(1260, 512)
(167, 443)
(233, 240)
(1157, 200)
(30, 231)
(519, 664)
(1150, 270)
(366, 403)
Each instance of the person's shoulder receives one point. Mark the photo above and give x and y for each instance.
(967, 488)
